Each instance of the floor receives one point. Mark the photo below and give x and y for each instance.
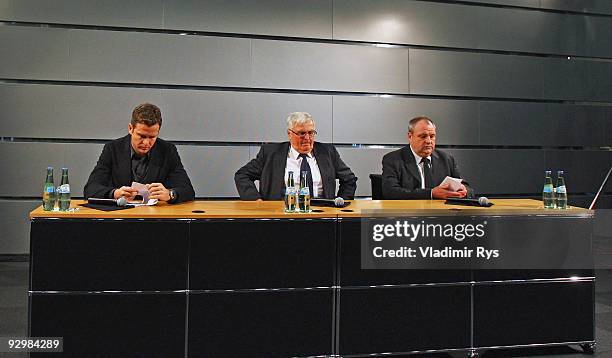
(14, 315)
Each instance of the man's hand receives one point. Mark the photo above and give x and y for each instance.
(158, 191)
(443, 192)
(126, 192)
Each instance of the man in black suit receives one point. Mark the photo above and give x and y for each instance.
(301, 153)
(142, 157)
(417, 170)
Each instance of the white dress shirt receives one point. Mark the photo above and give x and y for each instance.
(418, 159)
(294, 163)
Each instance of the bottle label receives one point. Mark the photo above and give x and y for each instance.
(561, 189)
(50, 189)
(548, 188)
(64, 189)
(305, 191)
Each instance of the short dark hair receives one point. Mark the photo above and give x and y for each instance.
(416, 120)
(147, 114)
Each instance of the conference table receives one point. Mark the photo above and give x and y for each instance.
(246, 279)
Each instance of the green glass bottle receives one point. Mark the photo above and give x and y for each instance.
(64, 192)
(48, 197)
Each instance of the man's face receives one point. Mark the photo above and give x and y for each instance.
(143, 137)
(303, 144)
(423, 138)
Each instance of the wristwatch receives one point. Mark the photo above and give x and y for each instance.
(172, 195)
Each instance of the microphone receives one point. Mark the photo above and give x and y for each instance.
(337, 202)
(122, 201)
(482, 201)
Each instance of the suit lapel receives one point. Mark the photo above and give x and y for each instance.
(154, 165)
(124, 163)
(438, 169)
(278, 169)
(325, 168)
(410, 164)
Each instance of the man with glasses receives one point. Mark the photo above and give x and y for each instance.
(274, 162)
(417, 170)
(142, 157)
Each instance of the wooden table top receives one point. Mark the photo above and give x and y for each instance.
(274, 209)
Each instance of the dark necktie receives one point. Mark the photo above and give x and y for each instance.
(427, 172)
(305, 167)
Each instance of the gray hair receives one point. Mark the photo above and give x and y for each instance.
(416, 120)
(297, 118)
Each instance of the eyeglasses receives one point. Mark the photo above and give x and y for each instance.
(311, 133)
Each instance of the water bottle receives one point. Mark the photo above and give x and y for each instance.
(304, 194)
(548, 196)
(64, 192)
(561, 191)
(290, 195)
(48, 198)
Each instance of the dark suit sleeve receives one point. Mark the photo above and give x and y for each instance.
(178, 179)
(391, 182)
(245, 177)
(100, 182)
(346, 178)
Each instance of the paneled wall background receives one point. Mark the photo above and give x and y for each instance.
(515, 86)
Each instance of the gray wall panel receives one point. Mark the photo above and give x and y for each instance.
(600, 81)
(51, 111)
(58, 111)
(335, 67)
(470, 74)
(159, 58)
(565, 79)
(597, 37)
(501, 171)
(594, 6)
(15, 224)
(363, 162)
(131, 13)
(410, 22)
(529, 31)
(240, 116)
(25, 177)
(376, 120)
(268, 17)
(33, 53)
(211, 169)
(540, 124)
(584, 170)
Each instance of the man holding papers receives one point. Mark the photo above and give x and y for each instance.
(140, 157)
(419, 171)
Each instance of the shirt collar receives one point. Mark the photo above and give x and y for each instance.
(294, 154)
(134, 156)
(418, 158)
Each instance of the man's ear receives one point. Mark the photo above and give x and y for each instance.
(130, 128)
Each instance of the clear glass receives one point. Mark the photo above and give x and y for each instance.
(48, 197)
(64, 192)
(290, 195)
(561, 191)
(548, 195)
(304, 194)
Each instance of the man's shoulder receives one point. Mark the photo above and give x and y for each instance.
(442, 154)
(274, 147)
(396, 154)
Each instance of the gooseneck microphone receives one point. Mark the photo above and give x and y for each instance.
(122, 201)
(337, 202)
(482, 201)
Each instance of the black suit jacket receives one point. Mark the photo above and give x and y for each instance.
(114, 170)
(401, 178)
(269, 168)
